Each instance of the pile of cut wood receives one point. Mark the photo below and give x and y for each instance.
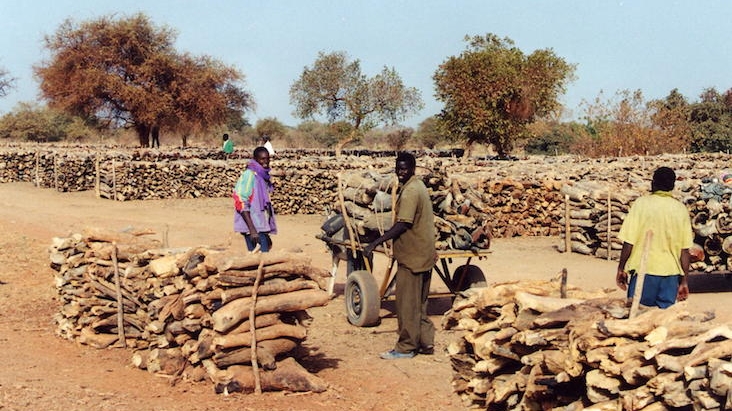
(367, 199)
(594, 213)
(190, 313)
(524, 347)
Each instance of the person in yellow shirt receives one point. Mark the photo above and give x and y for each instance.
(667, 262)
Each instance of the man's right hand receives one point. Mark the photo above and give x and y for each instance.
(621, 279)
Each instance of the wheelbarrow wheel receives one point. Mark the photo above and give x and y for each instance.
(362, 299)
(468, 276)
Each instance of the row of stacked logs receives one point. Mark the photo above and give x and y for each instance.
(525, 347)
(190, 313)
(537, 196)
(594, 213)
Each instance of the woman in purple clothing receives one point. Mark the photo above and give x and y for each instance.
(254, 216)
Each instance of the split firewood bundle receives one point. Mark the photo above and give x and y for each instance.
(194, 313)
(524, 347)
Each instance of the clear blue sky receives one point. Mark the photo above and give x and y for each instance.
(651, 45)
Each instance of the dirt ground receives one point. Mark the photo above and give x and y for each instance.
(43, 372)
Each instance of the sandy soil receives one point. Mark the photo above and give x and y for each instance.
(43, 372)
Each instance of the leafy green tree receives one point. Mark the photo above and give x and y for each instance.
(555, 138)
(30, 122)
(6, 82)
(670, 116)
(336, 88)
(398, 138)
(429, 132)
(270, 127)
(492, 90)
(126, 73)
(711, 121)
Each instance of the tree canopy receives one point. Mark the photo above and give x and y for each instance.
(126, 73)
(492, 90)
(336, 88)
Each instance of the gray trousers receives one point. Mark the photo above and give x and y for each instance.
(415, 328)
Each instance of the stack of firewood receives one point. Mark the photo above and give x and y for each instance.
(190, 313)
(594, 212)
(525, 347)
(367, 199)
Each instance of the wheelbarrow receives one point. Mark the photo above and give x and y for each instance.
(364, 295)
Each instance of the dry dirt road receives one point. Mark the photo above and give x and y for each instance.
(43, 372)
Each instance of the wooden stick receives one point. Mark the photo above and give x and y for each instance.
(640, 275)
(97, 176)
(387, 275)
(120, 306)
(114, 179)
(38, 181)
(55, 173)
(609, 224)
(567, 229)
(346, 219)
(253, 327)
(563, 284)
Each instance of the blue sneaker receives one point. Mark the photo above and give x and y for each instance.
(396, 355)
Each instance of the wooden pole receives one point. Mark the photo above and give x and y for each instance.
(609, 224)
(567, 228)
(38, 180)
(387, 274)
(166, 243)
(563, 284)
(97, 190)
(253, 326)
(55, 172)
(347, 220)
(640, 275)
(120, 306)
(114, 179)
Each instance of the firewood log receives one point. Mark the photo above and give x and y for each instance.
(267, 351)
(235, 311)
(165, 361)
(288, 375)
(272, 332)
(290, 268)
(268, 288)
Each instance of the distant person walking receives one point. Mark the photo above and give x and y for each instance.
(228, 146)
(254, 216)
(667, 262)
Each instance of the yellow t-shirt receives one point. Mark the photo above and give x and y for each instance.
(671, 225)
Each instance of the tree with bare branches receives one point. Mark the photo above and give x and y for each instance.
(6, 82)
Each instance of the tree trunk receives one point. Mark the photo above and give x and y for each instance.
(155, 134)
(143, 134)
(342, 143)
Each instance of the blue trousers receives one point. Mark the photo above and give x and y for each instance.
(658, 290)
(265, 242)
